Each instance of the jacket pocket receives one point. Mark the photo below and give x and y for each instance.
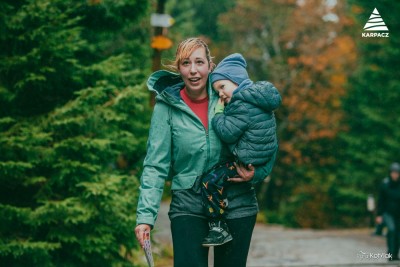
(186, 201)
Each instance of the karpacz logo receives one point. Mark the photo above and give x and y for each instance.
(375, 34)
(375, 23)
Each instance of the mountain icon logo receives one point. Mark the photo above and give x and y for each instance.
(375, 22)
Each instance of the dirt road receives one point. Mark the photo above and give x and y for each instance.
(278, 246)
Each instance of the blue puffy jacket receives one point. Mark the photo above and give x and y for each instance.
(248, 124)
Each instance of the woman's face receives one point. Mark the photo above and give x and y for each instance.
(194, 71)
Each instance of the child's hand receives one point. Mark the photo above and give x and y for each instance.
(219, 108)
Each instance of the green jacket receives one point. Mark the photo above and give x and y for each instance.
(179, 147)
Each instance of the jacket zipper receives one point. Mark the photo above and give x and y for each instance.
(207, 135)
(191, 113)
(208, 149)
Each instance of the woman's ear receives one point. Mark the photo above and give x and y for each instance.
(211, 66)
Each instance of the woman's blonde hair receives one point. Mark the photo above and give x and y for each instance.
(185, 49)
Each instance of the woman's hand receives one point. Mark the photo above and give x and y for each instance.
(246, 174)
(139, 231)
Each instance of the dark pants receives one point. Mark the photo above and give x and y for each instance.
(213, 189)
(188, 233)
(393, 235)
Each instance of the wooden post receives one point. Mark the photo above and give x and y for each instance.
(157, 53)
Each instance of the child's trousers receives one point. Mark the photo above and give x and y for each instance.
(213, 189)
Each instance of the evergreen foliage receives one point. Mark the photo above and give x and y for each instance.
(372, 113)
(73, 126)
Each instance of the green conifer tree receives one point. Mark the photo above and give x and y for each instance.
(372, 107)
(73, 126)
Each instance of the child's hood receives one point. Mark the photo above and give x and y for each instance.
(261, 94)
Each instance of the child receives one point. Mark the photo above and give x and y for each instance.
(247, 125)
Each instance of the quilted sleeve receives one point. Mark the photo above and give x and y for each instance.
(230, 125)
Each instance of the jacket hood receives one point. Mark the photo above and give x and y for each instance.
(162, 79)
(166, 85)
(261, 94)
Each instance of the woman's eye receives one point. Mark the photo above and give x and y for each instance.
(185, 63)
(222, 87)
(200, 62)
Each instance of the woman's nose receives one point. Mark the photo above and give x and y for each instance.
(193, 69)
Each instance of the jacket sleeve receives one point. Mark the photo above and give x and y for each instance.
(381, 200)
(262, 172)
(155, 167)
(230, 125)
(272, 97)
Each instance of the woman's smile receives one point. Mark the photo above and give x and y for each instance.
(195, 81)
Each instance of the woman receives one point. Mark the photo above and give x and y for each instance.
(182, 146)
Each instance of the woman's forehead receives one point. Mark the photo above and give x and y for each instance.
(195, 52)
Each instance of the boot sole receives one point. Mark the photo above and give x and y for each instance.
(218, 244)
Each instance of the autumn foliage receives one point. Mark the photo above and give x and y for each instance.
(306, 49)
(336, 88)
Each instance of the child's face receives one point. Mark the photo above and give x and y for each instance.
(225, 89)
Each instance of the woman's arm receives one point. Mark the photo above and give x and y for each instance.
(255, 175)
(156, 166)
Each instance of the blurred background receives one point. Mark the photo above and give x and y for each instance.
(75, 113)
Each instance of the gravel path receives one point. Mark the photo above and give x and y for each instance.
(279, 246)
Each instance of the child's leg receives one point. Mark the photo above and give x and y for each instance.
(214, 190)
(214, 185)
